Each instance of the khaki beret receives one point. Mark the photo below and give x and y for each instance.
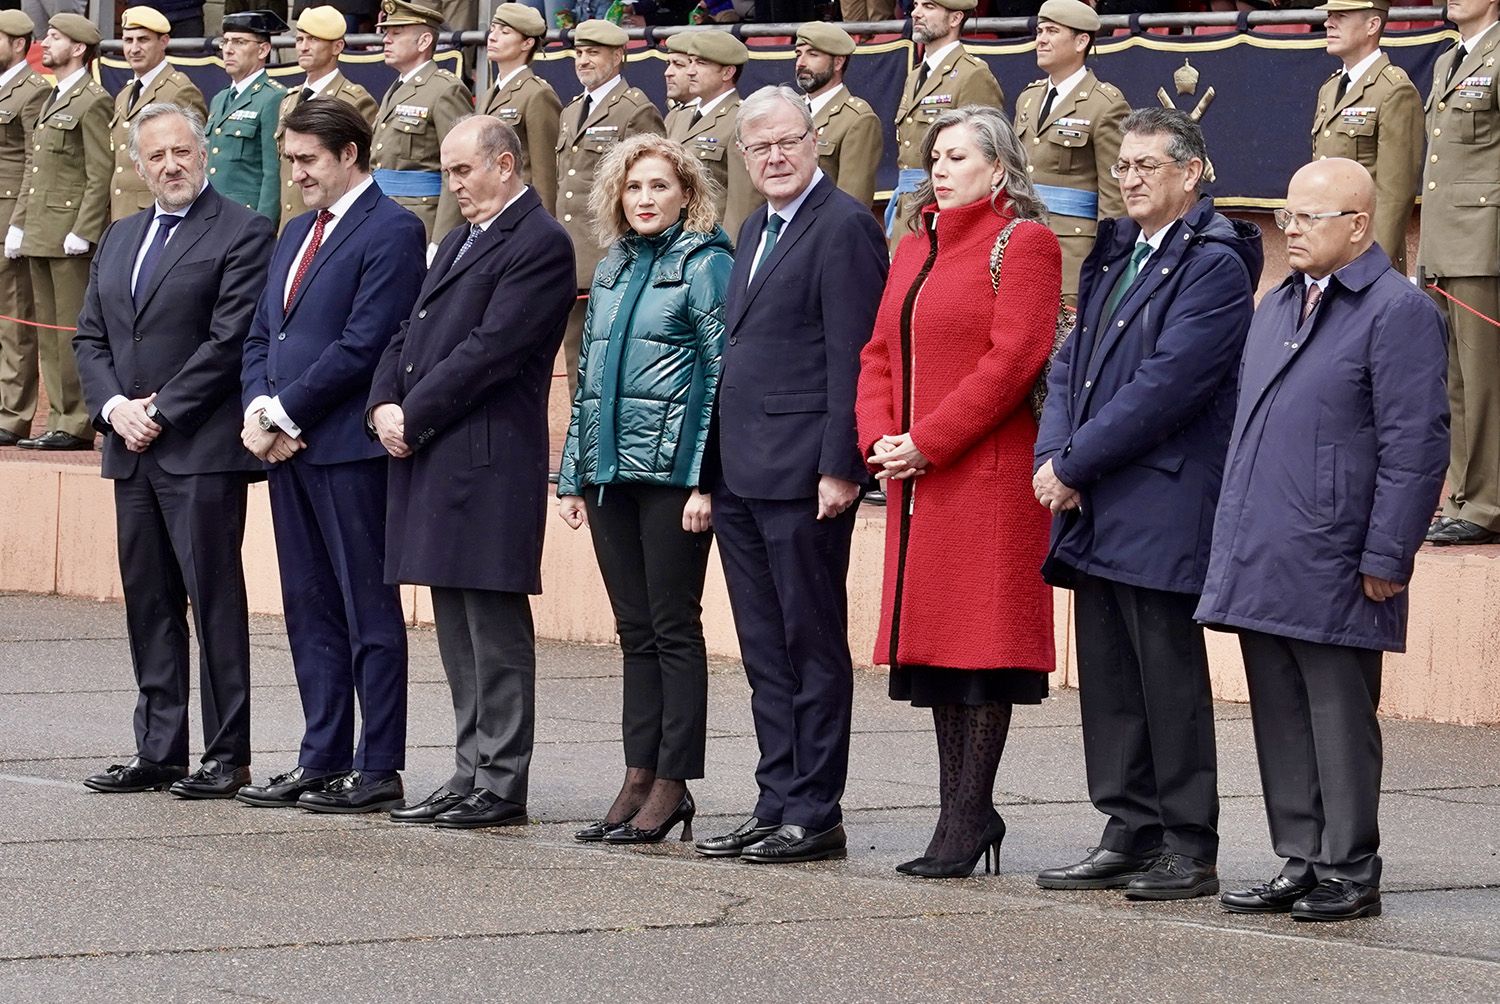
(964, 5)
(1378, 6)
(146, 17)
(597, 32)
(16, 24)
(394, 13)
(1070, 14)
(527, 20)
(75, 26)
(684, 42)
(826, 37)
(717, 47)
(322, 22)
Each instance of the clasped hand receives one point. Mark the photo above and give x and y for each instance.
(271, 445)
(130, 422)
(1051, 492)
(897, 457)
(390, 426)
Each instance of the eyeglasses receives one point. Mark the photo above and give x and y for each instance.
(760, 151)
(1143, 169)
(1285, 218)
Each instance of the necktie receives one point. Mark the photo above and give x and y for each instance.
(56, 93)
(324, 216)
(1137, 258)
(921, 76)
(697, 117)
(135, 95)
(1314, 295)
(774, 224)
(307, 95)
(474, 232)
(588, 103)
(1459, 55)
(1047, 104)
(1342, 89)
(164, 225)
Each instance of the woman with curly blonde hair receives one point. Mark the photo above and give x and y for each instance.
(647, 374)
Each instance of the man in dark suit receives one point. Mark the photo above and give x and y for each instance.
(170, 297)
(1130, 454)
(460, 402)
(786, 473)
(341, 280)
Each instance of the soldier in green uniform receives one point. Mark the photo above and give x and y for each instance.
(145, 33)
(61, 214)
(1370, 111)
(850, 136)
(1069, 125)
(679, 95)
(243, 164)
(607, 111)
(23, 91)
(418, 110)
(320, 42)
(715, 59)
(947, 77)
(523, 100)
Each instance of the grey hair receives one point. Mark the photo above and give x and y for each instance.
(494, 139)
(760, 104)
(1185, 137)
(997, 144)
(161, 109)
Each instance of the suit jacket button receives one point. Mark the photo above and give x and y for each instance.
(137, 337)
(1087, 384)
(421, 314)
(281, 337)
(408, 367)
(734, 339)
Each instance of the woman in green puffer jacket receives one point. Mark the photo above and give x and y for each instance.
(647, 374)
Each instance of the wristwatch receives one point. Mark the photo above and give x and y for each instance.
(265, 422)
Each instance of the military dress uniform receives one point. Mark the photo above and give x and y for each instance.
(530, 106)
(21, 103)
(850, 143)
(1070, 154)
(405, 156)
(242, 149)
(340, 88)
(711, 140)
(1460, 252)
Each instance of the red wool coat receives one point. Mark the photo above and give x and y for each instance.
(953, 363)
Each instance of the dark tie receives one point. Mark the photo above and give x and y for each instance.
(921, 77)
(1047, 104)
(474, 232)
(774, 224)
(588, 103)
(697, 117)
(1459, 55)
(164, 225)
(1343, 88)
(1314, 294)
(307, 95)
(1132, 269)
(52, 100)
(307, 256)
(135, 95)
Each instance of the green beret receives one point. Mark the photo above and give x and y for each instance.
(684, 42)
(963, 5)
(718, 47)
(597, 32)
(77, 27)
(15, 23)
(527, 20)
(1070, 14)
(826, 37)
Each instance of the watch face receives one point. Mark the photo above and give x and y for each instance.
(265, 422)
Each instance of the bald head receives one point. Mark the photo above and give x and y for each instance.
(480, 156)
(1338, 186)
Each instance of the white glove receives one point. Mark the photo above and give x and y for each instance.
(73, 244)
(431, 251)
(13, 242)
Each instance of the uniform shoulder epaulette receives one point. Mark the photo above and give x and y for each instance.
(577, 99)
(1110, 89)
(446, 75)
(1038, 82)
(859, 104)
(96, 88)
(275, 85)
(637, 95)
(1394, 74)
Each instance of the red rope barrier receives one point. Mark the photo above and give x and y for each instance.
(1444, 292)
(36, 324)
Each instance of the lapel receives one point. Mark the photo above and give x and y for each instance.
(601, 108)
(404, 89)
(499, 97)
(226, 103)
(1354, 92)
(793, 232)
(351, 222)
(1066, 106)
(64, 100)
(729, 106)
(114, 283)
(10, 88)
(1472, 64)
(936, 77)
(198, 222)
(149, 94)
(487, 242)
(828, 111)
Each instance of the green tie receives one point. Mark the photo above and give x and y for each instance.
(774, 224)
(1122, 286)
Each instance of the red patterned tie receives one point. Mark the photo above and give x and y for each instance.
(1314, 294)
(307, 256)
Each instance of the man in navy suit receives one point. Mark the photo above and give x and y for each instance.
(786, 473)
(341, 279)
(170, 297)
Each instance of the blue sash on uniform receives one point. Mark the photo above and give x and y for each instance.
(907, 182)
(1069, 201)
(411, 184)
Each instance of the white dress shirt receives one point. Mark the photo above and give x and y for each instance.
(786, 213)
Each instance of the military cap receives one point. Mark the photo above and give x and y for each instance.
(16, 24)
(75, 26)
(685, 42)
(322, 22)
(255, 22)
(399, 12)
(716, 46)
(146, 17)
(826, 37)
(1070, 14)
(597, 32)
(964, 5)
(1381, 7)
(527, 20)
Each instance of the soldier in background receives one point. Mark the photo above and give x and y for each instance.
(1370, 112)
(243, 163)
(1069, 125)
(523, 100)
(850, 140)
(679, 94)
(715, 60)
(145, 32)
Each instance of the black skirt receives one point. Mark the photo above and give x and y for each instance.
(929, 686)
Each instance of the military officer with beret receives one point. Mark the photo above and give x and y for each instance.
(850, 135)
(674, 78)
(418, 110)
(1069, 125)
(607, 111)
(144, 32)
(523, 100)
(60, 216)
(948, 77)
(1459, 252)
(320, 42)
(1369, 111)
(243, 162)
(23, 91)
(715, 60)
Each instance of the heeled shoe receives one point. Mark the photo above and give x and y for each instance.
(905, 867)
(989, 849)
(629, 833)
(596, 831)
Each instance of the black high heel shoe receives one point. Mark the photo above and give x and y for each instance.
(905, 867)
(599, 828)
(989, 849)
(629, 833)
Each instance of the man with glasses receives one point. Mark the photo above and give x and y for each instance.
(1336, 462)
(243, 164)
(1129, 458)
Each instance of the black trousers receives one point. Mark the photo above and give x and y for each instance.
(1318, 742)
(1148, 718)
(488, 647)
(653, 570)
(179, 541)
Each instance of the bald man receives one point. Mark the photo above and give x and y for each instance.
(1337, 458)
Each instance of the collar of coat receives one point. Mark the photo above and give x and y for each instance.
(1119, 235)
(669, 266)
(1355, 276)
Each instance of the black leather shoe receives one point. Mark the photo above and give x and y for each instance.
(137, 775)
(429, 808)
(1436, 527)
(1458, 531)
(212, 779)
(793, 843)
(482, 807)
(1101, 869)
(909, 867)
(729, 845)
(1275, 896)
(1175, 876)
(283, 790)
(352, 793)
(598, 830)
(988, 847)
(8, 438)
(1338, 899)
(629, 833)
(56, 440)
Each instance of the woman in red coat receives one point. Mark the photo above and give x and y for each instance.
(966, 621)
